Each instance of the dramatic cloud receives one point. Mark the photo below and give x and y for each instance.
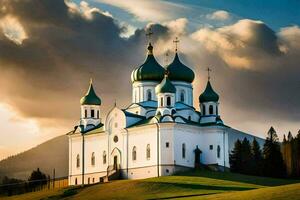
(246, 44)
(60, 45)
(218, 15)
(13, 29)
(148, 10)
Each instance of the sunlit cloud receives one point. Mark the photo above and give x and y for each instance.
(13, 29)
(84, 9)
(218, 15)
(148, 10)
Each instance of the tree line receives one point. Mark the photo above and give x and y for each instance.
(291, 154)
(273, 160)
(36, 181)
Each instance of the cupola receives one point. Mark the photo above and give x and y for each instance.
(150, 70)
(180, 72)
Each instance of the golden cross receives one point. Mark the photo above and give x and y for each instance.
(176, 41)
(208, 73)
(149, 34)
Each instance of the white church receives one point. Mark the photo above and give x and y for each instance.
(158, 134)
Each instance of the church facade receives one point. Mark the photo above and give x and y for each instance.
(158, 134)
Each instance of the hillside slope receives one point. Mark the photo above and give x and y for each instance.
(197, 185)
(47, 156)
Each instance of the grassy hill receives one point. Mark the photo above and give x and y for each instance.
(192, 185)
(46, 156)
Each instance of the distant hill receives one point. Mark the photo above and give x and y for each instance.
(47, 156)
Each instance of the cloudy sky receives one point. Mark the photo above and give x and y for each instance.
(50, 48)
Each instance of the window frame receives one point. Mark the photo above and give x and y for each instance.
(93, 159)
(211, 109)
(104, 157)
(169, 101)
(183, 151)
(134, 153)
(148, 152)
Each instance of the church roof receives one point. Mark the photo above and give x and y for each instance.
(165, 86)
(180, 72)
(209, 94)
(150, 70)
(94, 130)
(90, 97)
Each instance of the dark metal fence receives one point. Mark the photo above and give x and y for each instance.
(32, 186)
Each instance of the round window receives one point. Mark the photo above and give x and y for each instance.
(116, 139)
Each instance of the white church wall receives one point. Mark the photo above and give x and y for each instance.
(188, 91)
(192, 136)
(93, 143)
(142, 167)
(139, 91)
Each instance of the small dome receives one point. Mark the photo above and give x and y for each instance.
(151, 70)
(180, 72)
(165, 86)
(90, 97)
(209, 94)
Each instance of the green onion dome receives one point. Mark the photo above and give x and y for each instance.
(209, 94)
(90, 97)
(165, 86)
(179, 71)
(151, 70)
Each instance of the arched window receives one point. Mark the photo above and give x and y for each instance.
(148, 152)
(182, 95)
(93, 159)
(104, 157)
(75, 181)
(92, 113)
(161, 102)
(183, 150)
(168, 101)
(149, 95)
(85, 113)
(190, 118)
(134, 153)
(203, 108)
(98, 114)
(218, 151)
(217, 110)
(89, 180)
(77, 161)
(211, 110)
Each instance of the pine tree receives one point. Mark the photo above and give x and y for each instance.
(246, 157)
(257, 158)
(273, 161)
(235, 157)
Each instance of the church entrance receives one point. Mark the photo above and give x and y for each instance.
(115, 162)
(115, 159)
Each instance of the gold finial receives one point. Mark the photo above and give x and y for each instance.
(91, 80)
(176, 41)
(208, 73)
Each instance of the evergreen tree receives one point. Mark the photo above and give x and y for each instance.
(246, 157)
(37, 179)
(257, 158)
(235, 158)
(273, 161)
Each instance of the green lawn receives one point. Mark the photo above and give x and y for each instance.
(190, 185)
